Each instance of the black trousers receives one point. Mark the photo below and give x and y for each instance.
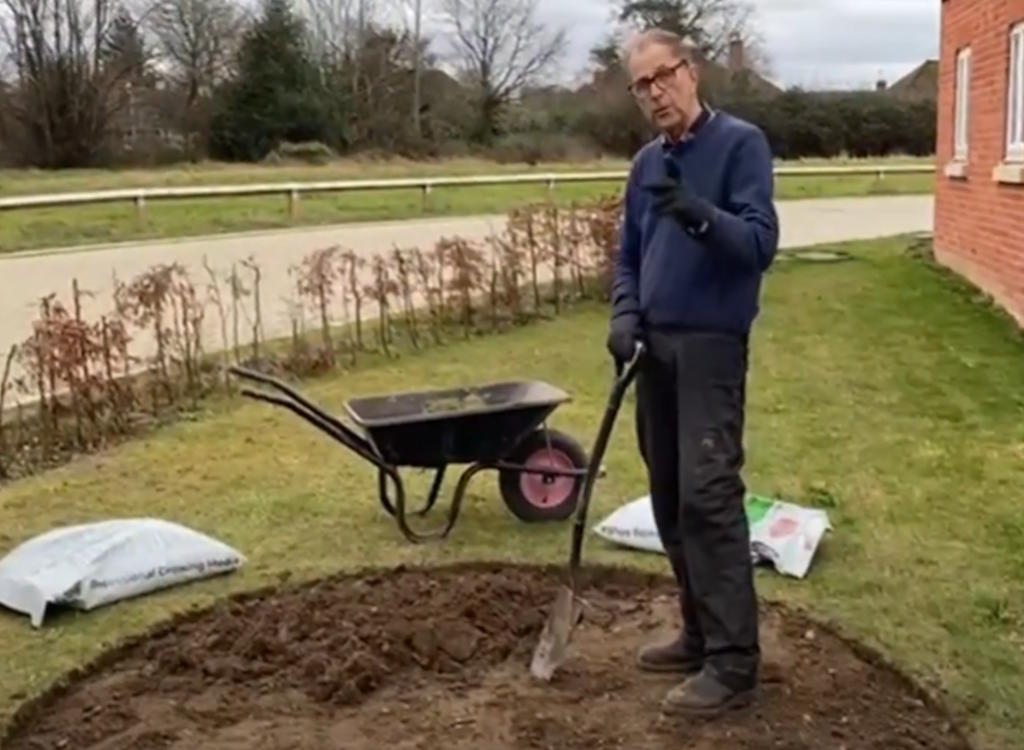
(691, 394)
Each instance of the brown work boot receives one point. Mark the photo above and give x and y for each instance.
(677, 657)
(705, 695)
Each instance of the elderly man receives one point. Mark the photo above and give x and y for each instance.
(700, 229)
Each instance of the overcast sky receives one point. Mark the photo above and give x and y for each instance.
(811, 43)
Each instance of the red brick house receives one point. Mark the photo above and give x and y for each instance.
(979, 197)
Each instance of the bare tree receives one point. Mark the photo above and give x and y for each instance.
(6, 147)
(198, 39)
(500, 47)
(338, 30)
(74, 64)
(410, 14)
(367, 54)
(332, 26)
(417, 71)
(336, 35)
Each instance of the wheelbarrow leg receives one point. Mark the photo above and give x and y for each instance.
(435, 490)
(453, 510)
(382, 487)
(388, 503)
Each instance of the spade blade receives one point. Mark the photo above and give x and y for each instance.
(553, 645)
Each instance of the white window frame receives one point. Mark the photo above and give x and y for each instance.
(1015, 96)
(962, 105)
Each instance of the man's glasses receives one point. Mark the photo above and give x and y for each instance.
(642, 86)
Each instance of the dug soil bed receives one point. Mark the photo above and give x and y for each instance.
(439, 659)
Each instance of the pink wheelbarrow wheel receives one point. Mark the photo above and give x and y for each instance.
(532, 494)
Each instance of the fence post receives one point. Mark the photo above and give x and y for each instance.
(425, 188)
(140, 207)
(293, 203)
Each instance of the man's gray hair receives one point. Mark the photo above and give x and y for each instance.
(679, 46)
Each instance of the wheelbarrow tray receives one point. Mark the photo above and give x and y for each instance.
(491, 426)
(476, 424)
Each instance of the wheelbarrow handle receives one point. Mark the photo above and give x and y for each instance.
(303, 407)
(291, 393)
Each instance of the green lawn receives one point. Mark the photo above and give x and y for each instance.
(64, 226)
(878, 386)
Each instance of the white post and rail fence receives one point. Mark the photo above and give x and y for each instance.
(293, 191)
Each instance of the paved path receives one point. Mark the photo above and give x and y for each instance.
(27, 277)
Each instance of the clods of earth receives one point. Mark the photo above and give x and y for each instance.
(439, 658)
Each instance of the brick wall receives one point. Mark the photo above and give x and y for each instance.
(979, 222)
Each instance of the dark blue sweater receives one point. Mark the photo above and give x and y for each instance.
(711, 281)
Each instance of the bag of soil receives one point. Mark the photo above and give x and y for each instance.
(90, 565)
(783, 535)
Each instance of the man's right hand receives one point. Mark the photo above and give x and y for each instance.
(623, 336)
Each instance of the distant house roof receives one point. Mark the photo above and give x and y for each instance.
(733, 76)
(736, 76)
(920, 83)
(718, 77)
(439, 80)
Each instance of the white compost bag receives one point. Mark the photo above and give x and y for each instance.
(90, 565)
(781, 534)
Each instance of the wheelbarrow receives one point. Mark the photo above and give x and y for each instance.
(500, 426)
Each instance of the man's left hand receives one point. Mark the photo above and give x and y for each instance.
(673, 197)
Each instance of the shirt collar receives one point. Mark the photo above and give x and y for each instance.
(705, 116)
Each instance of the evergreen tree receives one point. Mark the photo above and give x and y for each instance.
(277, 95)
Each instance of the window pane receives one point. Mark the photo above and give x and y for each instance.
(1018, 92)
(961, 103)
(1012, 109)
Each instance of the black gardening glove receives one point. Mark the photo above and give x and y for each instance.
(623, 337)
(674, 198)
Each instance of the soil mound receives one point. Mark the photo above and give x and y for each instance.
(438, 658)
